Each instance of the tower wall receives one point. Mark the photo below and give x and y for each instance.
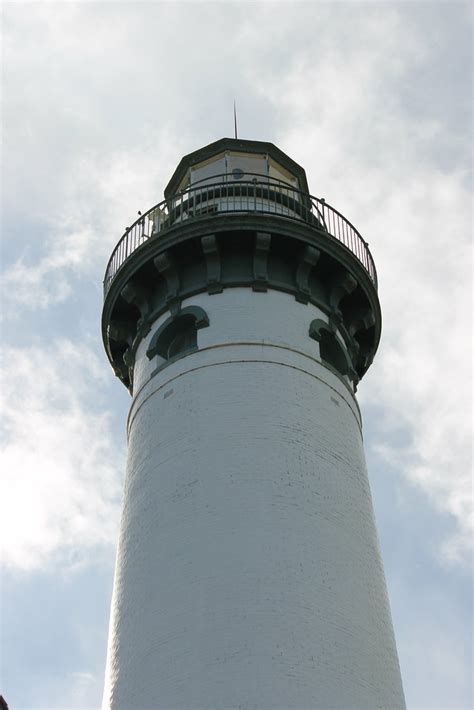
(248, 570)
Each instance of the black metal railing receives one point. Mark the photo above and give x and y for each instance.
(223, 194)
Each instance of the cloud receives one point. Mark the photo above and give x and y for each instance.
(422, 375)
(61, 468)
(373, 100)
(338, 83)
(48, 280)
(75, 241)
(379, 162)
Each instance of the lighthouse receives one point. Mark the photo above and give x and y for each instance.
(241, 314)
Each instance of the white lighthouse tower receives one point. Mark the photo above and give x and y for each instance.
(241, 313)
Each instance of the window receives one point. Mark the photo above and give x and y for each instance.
(178, 335)
(330, 349)
(332, 352)
(185, 339)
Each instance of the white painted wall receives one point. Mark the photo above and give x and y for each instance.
(248, 571)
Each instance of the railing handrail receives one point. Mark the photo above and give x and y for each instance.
(313, 209)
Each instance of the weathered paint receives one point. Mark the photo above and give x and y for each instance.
(248, 570)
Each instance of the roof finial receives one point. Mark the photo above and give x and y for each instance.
(235, 120)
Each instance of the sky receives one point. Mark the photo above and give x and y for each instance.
(100, 102)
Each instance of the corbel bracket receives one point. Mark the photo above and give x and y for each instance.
(166, 267)
(137, 296)
(362, 321)
(342, 285)
(260, 261)
(122, 331)
(213, 263)
(308, 259)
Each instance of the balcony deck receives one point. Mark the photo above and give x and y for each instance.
(222, 194)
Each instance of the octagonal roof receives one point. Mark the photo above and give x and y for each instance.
(235, 144)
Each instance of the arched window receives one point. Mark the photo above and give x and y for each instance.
(332, 352)
(330, 349)
(178, 335)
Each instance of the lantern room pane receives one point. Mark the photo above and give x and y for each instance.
(208, 171)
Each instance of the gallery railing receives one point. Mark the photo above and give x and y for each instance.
(224, 194)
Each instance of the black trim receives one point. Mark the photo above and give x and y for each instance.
(245, 146)
(253, 250)
(189, 318)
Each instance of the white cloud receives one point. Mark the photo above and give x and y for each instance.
(48, 280)
(78, 238)
(422, 375)
(340, 112)
(102, 99)
(61, 468)
(379, 164)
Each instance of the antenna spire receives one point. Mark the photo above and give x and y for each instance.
(235, 120)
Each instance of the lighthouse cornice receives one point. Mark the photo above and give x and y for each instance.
(257, 250)
(257, 222)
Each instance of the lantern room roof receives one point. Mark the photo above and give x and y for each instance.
(242, 146)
